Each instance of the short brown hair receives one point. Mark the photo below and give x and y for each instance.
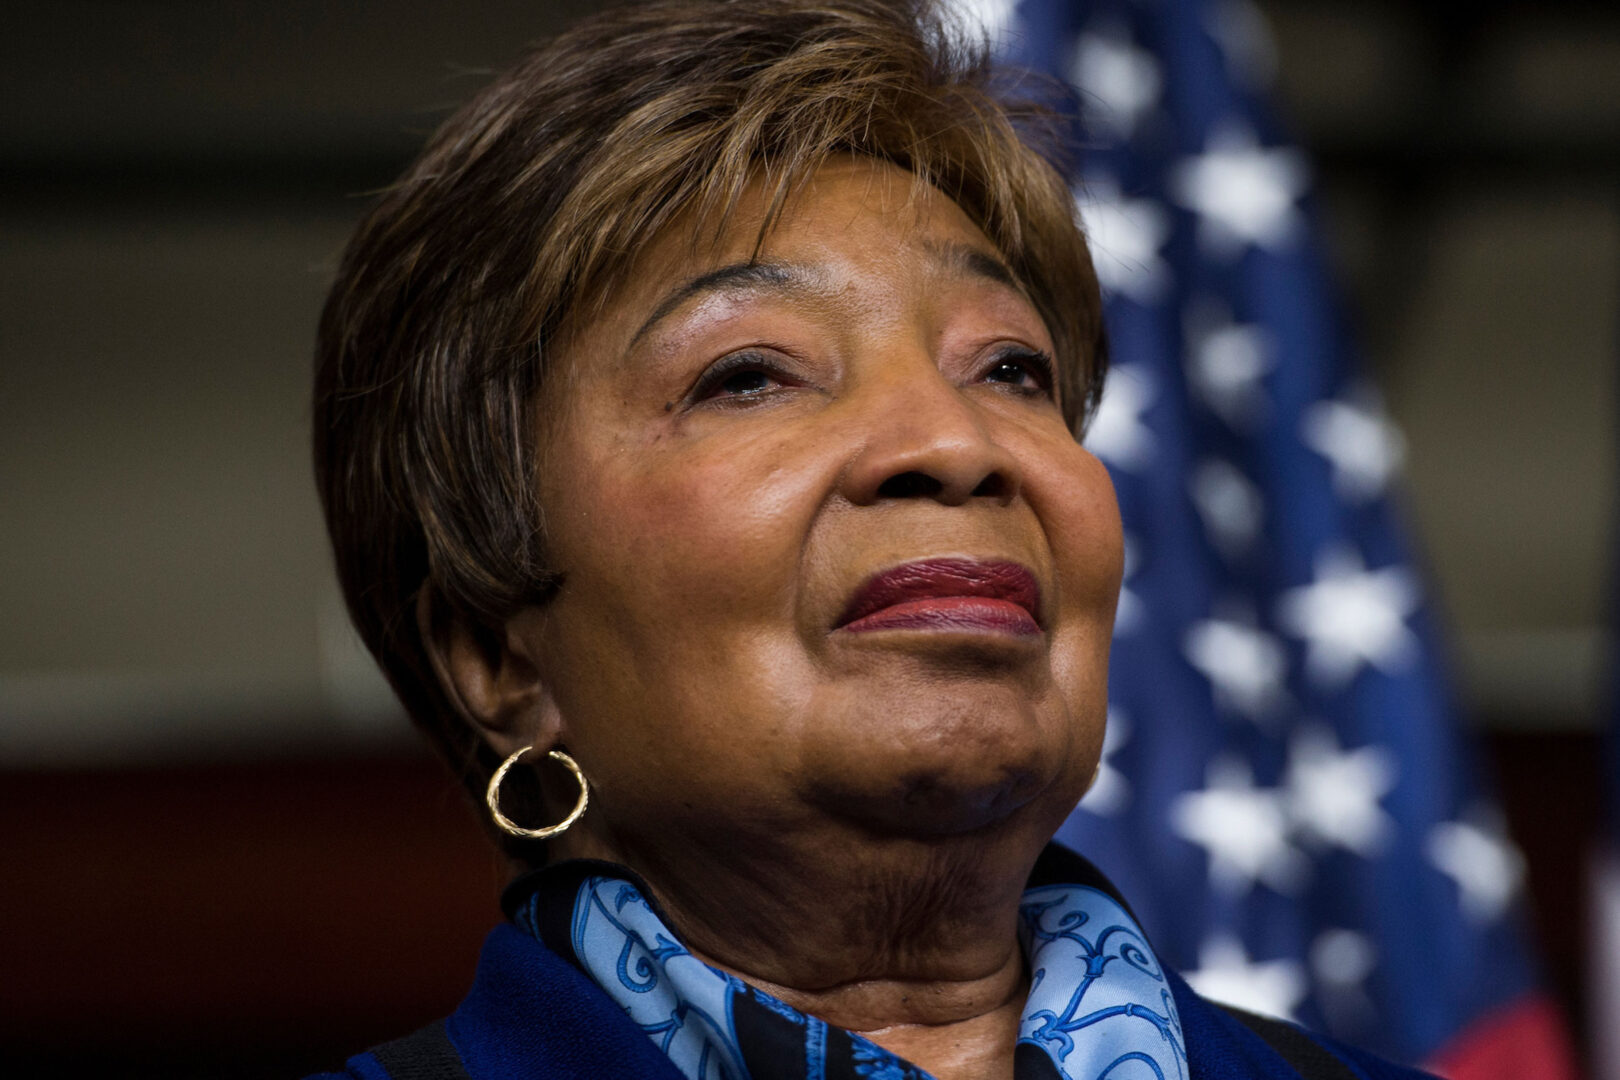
(529, 204)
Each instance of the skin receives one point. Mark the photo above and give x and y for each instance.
(844, 819)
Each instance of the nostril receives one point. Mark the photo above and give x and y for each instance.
(994, 486)
(909, 485)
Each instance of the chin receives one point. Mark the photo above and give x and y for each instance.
(945, 774)
(924, 806)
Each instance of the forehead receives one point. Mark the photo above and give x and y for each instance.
(853, 220)
(850, 201)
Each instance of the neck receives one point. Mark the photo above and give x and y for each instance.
(955, 1029)
(911, 942)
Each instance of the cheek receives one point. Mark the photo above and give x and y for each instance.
(682, 564)
(704, 534)
(682, 569)
(1075, 500)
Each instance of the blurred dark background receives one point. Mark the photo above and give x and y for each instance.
(226, 854)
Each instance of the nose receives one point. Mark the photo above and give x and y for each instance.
(924, 438)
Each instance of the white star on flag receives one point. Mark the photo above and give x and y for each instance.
(1333, 794)
(1225, 363)
(1130, 611)
(1125, 236)
(1244, 193)
(1243, 828)
(1244, 665)
(1341, 960)
(1118, 82)
(1351, 617)
(1117, 433)
(1225, 973)
(1230, 507)
(1364, 448)
(1486, 866)
(1111, 791)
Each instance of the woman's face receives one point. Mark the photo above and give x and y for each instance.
(738, 449)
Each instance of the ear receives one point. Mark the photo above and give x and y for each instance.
(491, 675)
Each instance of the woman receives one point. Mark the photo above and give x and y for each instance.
(696, 431)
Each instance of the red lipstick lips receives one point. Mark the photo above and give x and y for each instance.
(948, 594)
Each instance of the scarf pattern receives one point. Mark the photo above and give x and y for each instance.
(1099, 1007)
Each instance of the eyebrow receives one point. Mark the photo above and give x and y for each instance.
(960, 259)
(969, 261)
(738, 277)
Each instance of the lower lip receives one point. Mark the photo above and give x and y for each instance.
(970, 614)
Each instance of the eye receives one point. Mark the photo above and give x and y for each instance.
(746, 381)
(1028, 371)
(738, 377)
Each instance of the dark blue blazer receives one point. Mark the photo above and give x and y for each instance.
(532, 1015)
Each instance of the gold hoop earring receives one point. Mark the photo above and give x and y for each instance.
(511, 828)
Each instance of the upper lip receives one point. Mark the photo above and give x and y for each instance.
(928, 578)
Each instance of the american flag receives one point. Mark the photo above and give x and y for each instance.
(1287, 796)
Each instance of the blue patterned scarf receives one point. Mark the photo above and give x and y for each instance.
(1099, 1007)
